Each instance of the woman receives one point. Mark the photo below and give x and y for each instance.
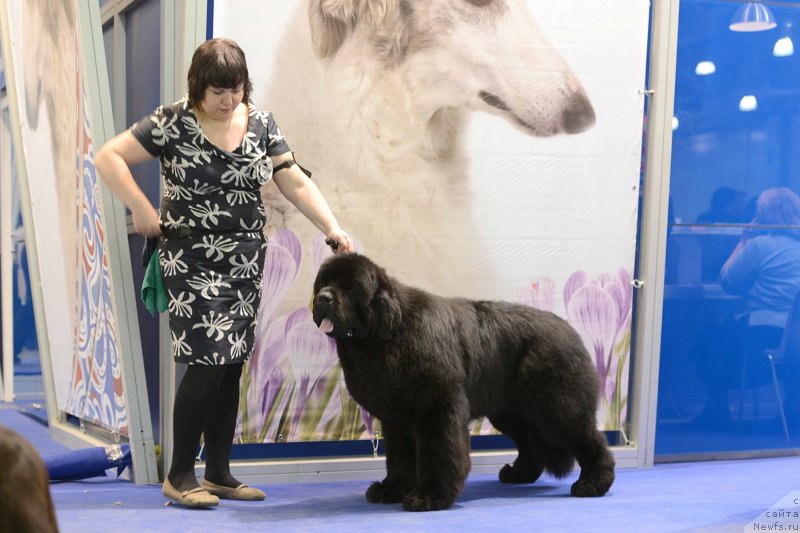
(765, 266)
(216, 151)
(764, 269)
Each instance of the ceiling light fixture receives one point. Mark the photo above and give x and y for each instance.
(753, 16)
(748, 103)
(704, 68)
(783, 47)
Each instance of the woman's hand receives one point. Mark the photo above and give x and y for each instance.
(113, 163)
(750, 230)
(339, 241)
(145, 221)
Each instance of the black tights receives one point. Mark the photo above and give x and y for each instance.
(207, 402)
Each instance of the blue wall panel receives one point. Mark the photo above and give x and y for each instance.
(716, 392)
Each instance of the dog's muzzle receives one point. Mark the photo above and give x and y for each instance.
(323, 300)
(323, 304)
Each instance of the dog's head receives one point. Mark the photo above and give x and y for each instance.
(458, 54)
(353, 297)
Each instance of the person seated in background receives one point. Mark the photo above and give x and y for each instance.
(764, 269)
(25, 503)
(727, 206)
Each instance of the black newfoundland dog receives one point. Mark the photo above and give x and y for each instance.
(426, 365)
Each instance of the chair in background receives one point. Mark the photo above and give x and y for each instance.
(784, 363)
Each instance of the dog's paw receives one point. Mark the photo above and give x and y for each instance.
(380, 492)
(512, 474)
(423, 502)
(584, 488)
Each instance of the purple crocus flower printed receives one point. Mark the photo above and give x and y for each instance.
(284, 254)
(268, 371)
(540, 294)
(600, 310)
(312, 355)
(267, 366)
(319, 251)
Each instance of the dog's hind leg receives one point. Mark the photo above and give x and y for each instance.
(527, 466)
(570, 437)
(401, 465)
(562, 406)
(596, 462)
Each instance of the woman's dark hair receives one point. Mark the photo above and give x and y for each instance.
(779, 207)
(218, 63)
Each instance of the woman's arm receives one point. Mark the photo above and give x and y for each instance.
(304, 194)
(741, 269)
(113, 161)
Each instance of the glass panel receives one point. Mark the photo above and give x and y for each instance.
(143, 95)
(143, 79)
(733, 248)
(108, 44)
(28, 384)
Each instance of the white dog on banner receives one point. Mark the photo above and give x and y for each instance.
(375, 97)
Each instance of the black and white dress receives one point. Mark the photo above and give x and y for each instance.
(212, 249)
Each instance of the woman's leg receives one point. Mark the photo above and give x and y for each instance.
(194, 401)
(220, 427)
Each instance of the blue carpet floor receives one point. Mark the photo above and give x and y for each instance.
(703, 496)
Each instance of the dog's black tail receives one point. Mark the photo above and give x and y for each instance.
(558, 462)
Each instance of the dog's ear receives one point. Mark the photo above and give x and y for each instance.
(386, 314)
(333, 20)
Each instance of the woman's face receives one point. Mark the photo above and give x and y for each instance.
(219, 104)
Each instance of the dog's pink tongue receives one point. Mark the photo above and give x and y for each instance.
(326, 326)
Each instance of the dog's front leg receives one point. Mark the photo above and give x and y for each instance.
(443, 464)
(401, 465)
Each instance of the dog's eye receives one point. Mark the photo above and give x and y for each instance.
(480, 3)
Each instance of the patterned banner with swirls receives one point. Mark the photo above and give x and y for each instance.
(97, 388)
(67, 213)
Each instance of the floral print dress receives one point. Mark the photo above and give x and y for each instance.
(212, 249)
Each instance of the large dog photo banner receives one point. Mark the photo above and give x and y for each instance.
(480, 150)
(66, 211)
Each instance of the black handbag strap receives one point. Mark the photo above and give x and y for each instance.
(288, 164)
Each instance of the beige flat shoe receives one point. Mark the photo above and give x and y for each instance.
(242, 492)
(197, 497)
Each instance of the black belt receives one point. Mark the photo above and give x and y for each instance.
(183, 232)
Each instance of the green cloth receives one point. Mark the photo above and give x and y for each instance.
(154, 295)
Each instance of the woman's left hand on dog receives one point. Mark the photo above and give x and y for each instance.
(339, 241)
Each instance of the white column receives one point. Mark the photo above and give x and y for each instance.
(653, 231)
(6, 258)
